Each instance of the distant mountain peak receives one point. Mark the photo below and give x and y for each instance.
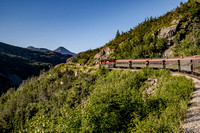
(61, 47)
(63, 50)
(60, 50)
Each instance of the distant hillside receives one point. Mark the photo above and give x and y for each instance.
(60, 50)
(174, 34)
(38, 49)
(17, 64)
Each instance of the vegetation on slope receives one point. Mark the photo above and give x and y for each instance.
(17, 64)
(70, 99)
(144, 41)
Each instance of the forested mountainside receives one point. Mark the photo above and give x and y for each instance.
(80, 99)
(174, 34)
(17, 64)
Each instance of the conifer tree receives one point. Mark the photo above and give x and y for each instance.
(117, 34)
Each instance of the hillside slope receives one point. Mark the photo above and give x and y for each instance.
(17, 64)
(174, 34)
(75, 99)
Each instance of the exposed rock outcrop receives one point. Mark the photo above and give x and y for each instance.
(168, 33)
(168, 52)
(175, 21)
(152, 84)
(103, 54)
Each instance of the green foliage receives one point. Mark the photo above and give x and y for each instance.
(117, 34)
(170, 97)
(187, 40)
(109, 107)
(85, 58)
(75, 99)
(189, 46)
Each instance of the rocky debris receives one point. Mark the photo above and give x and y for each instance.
(168, 53)
(103, 54)
(149, 90)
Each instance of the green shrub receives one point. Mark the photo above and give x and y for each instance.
(69, 99)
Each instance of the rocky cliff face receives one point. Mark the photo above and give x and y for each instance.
(103, 54)
(169, 32)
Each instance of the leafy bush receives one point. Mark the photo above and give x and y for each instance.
(70, 99)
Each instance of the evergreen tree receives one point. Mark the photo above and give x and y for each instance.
(117, 34)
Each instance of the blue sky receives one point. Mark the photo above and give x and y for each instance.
(78, 25)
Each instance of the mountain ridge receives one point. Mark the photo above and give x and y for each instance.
(38, 49)
(60, 50)
(17, 64)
